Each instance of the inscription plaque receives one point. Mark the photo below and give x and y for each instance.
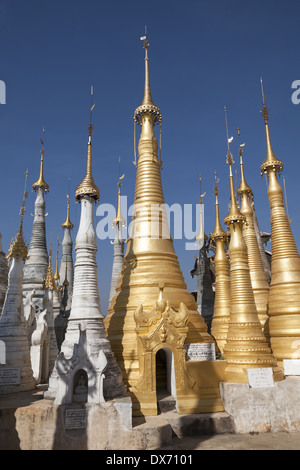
(200, 352)
(260, 377)
(291, 366)
(10, 376)
(75, 418)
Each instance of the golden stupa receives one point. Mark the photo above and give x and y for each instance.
(284, 296)
(246, 346)
(258, 277)
(152, 309)
(221, 316)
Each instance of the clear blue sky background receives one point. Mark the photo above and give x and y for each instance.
(203, 55)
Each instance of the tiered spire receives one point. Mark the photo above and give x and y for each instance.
(284, 296)
(221, 316)
(85, 315)
(246, 345)
(118, 243)
(87, 187)
(37, 263)
(149, 262)
(259, 281)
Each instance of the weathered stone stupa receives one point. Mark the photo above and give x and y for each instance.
(205, 293)
(37, 263)
(118, 245)
(15, 371)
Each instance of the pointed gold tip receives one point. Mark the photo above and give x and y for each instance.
(244, 187)
(271, 162)
(41, 183)
(218, 231)
(67, 223)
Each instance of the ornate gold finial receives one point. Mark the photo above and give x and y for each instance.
(244, 187)
(147, 103)
(271, 162)
(87, 187)
(67, 223)
(18, 248)
(56, 274)
(119, 219)
(40, 183)
(234, 214)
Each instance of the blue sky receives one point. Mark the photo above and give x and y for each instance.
(203, 55)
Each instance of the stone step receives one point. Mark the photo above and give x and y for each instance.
(159, 431)
(166, 403)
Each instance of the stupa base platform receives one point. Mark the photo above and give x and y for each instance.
(263, 409)
(31, 422)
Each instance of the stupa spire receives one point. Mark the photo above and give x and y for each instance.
(221, 316)
(85, 315)
(66, 264)
(149, 262)
(87, 187)
(284, 296)
(259, 281)
(37, 263)
(41, 183)
(118, 242)
(246, 345)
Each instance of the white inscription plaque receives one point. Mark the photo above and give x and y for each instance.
(75, 418)
(291, 366)
(260, 377)
(200, 352)
(10, 376)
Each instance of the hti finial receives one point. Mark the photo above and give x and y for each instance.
(146, 44)
(229, 159)
(264, 111)
(25, 195)
(201, 195)
(216, 189)
(240, 145)
(91, 110)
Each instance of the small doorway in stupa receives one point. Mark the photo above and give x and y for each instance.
(80, 387)
(165, 381)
